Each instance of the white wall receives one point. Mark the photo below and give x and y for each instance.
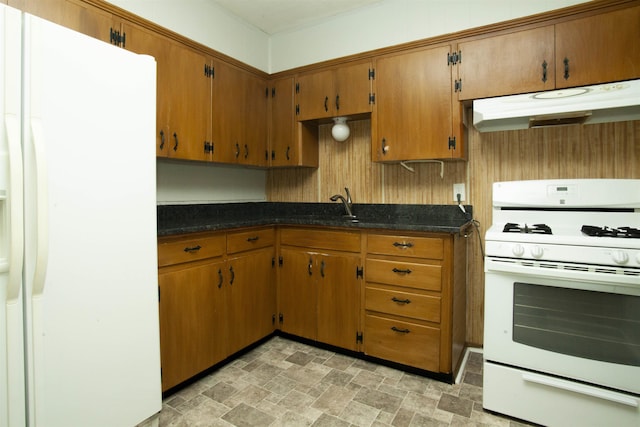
(392, 22)
(191, 182)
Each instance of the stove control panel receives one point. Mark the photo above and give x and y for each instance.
(564, 253)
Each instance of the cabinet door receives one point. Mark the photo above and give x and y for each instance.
(512, 63)
(315, 95)
(353, 87)
(282, 146)
(146, 42)
(226, 113)
(252, 298)
(253, 119)
(339, 298)
(297, 293)
(192, 321)
(412, 117)
(598, 49)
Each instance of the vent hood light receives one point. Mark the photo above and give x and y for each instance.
(611, 102)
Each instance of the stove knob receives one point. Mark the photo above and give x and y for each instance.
(620, 257)
(518, 250)
(537, 252)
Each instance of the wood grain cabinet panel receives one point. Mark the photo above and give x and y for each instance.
(415, 116)
(598, 49)
(518, 62)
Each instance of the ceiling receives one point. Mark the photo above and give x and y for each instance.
(274, 16)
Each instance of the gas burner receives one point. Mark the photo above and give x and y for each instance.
(625, 232)
(511, 227)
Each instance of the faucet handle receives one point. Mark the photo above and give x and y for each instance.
(346, 189)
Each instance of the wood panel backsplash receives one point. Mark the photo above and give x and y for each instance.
(609, 150)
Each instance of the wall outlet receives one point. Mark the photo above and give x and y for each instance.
(459, 189)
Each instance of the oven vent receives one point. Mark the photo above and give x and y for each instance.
(576, 268)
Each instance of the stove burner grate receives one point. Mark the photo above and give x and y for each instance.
(623, 232)
(511, 227)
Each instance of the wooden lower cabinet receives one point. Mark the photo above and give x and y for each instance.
(320, 286)
(415, 299)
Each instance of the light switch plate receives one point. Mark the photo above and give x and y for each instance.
(459, 189)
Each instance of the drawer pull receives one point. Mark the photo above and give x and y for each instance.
(401, 301)
(252, 239)
(403, 245)
(401, 331)
(193, 249)
(401, 271)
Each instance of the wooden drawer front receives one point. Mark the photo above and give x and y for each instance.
(321, 239)
(402, 342)
(406, 304)
(418, 247)
(251, 239)
(408, 274)
(179, 251)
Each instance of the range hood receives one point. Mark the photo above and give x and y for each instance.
(611, 102)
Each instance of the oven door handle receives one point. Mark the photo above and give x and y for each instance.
(581, 389)
(568, 274)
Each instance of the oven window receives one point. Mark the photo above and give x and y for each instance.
(593, 325)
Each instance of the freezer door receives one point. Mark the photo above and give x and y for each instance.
(90, 224)
(12, 386)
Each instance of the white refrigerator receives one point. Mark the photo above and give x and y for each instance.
(79, 334)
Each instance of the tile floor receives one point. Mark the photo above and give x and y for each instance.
(286, 383)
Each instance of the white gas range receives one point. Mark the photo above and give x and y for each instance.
(562, 302)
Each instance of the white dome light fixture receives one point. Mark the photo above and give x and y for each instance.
(340, 130)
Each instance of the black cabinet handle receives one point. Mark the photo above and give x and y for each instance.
(544, 71)
(403, 245)
(220, 279)
(385, 148)
(193, 248)
(337, 102)
(252, 239)
(326, 103)
(288, 150)
(401, 331)
(246, 151)
(322, 268)
(310, 267)
(237, 150)
(233, 275)
(175, 136)
(566, 68)
(161, 139)
(401, 301)
(401, 271)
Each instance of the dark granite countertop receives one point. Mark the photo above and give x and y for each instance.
(181, 219)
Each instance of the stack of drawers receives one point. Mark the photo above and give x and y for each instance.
(403, 297)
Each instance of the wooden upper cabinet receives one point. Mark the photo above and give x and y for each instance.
(73, 14)
(291, 143)
(340, 91)
(253, 119)
(414, 116)
(598, 49)
(506, 64)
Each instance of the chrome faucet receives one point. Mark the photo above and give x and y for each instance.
(348, 204)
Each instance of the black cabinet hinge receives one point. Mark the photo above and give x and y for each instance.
(359, 272)
(372, 73)
(281, 318)
(457, 85)
(297, 87)
(454, 58)
(116, 38)
(452, 143)
(372, 98)
(208, 147)
(273, 260)
(266, 92)
(209, 71)
(280, 261)
(359, 338)
(273, 92)
(273, 319)
(297, 109)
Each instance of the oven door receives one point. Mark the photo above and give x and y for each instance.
(574, 323)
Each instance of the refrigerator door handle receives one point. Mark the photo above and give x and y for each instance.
(42, 208)
(15, 205)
